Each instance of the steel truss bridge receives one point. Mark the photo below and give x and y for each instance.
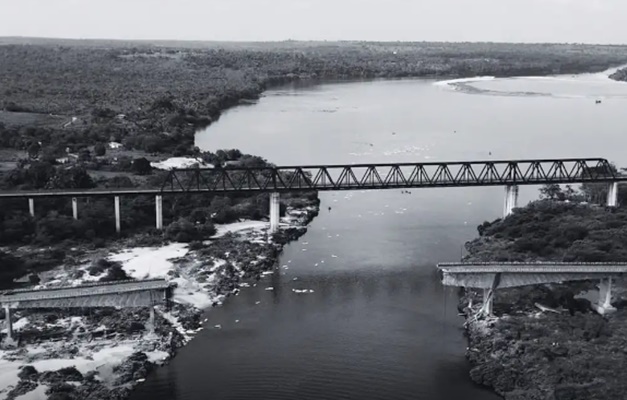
(362, 177)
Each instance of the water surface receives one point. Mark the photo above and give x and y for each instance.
(378, 325)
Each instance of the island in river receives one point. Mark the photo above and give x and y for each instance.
(572, 353)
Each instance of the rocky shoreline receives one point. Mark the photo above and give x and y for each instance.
(105, 353)
(560, 351)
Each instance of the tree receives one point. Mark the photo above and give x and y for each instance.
(70, 178)
(551, 191)
(100, 149)
(141, 166)
(33, 150)
(84, 155)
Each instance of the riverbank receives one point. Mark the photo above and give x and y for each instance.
(103, 354)
(568, 352)
(620, 75)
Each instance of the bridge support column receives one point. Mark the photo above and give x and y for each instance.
(274, 212)
(151, 321)
(604, 306)
(75, 207)
(31, 207)
(159, 211)
(487, 302)
(10, 341)
(116, 201)
(511, 199)
(612, 194)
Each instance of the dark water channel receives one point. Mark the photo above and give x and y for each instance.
(378, 324)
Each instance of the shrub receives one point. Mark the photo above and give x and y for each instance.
(100, 149)
(141, 166)
(115, 273)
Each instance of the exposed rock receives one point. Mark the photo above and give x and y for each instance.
(22, 387)
(133, 368)
(28, 373)
(68, 374)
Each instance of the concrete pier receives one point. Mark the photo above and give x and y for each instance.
(274, 212)
(487, 302)
(31, 207)
(511, 199)
(8, 324)
(604, 305)
(159, 211)
(612, 194)
(151, 321)
(75, 207)
(116, 201)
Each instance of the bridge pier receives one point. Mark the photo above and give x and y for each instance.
(488, 298)
(151, 321)
(116, 202)
(274, 212)
(31, 207)
(10, 340)
(511, 199)
(159, 211)
(612, 194)
(604, 305)
(75, 207)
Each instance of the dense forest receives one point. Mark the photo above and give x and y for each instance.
(63, 103)
(557, 231)
(570, 352)
(154, 97)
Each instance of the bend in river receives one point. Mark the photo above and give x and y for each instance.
(378, 324)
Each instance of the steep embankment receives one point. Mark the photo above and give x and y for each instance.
(574, 354)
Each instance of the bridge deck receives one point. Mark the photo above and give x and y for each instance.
(533, 268)
(361, 177)
(90, 290)
(504, 274)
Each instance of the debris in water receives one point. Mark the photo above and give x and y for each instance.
(218, 326)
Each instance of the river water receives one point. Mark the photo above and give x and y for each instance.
(378, 324)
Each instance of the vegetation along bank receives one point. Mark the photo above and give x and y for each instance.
(570, 351)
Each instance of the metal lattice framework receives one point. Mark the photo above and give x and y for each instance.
(361, 176)
(390, 176)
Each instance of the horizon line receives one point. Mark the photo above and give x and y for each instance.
(52, 38)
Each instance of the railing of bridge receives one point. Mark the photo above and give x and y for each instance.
(361, 176)
(386, 176)
(91, 289)
(516, 263)
(543, 267)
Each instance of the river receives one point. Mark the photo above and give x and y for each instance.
(378, 324)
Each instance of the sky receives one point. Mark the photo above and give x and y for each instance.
(573, 21)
